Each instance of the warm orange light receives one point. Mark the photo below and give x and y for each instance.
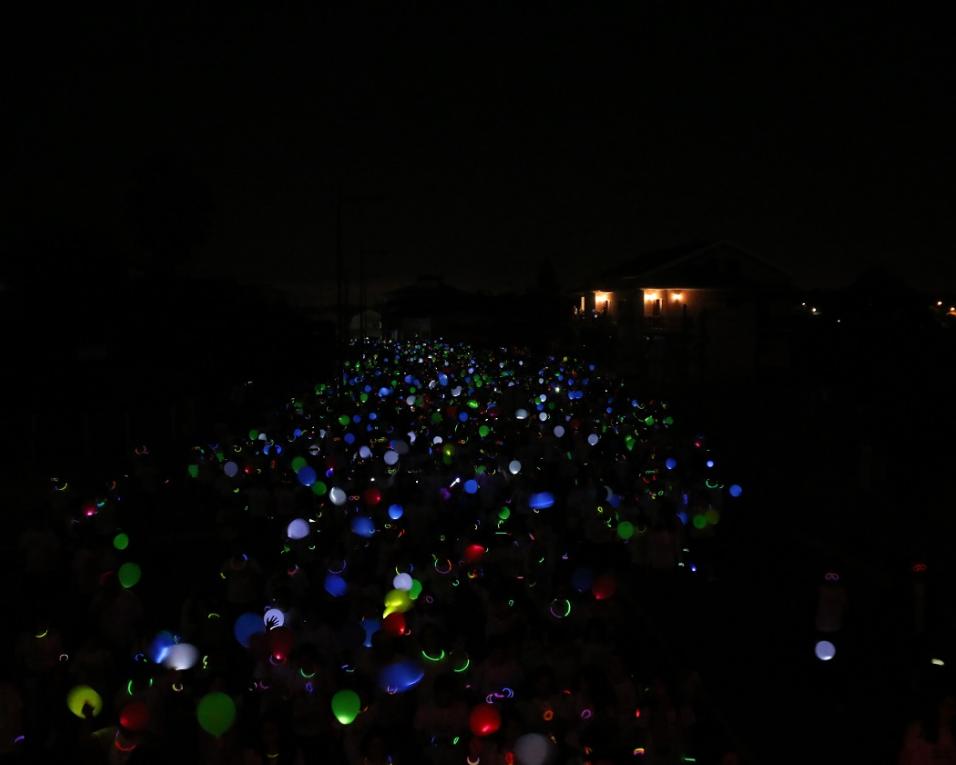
(651, 296)
(676, 296)
(601, 299)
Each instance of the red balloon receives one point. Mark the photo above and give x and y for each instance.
(281, 640)
(394, 624)
(135, 716)
(473, 553)
(372, 496)
(604, 587)
(484, 720)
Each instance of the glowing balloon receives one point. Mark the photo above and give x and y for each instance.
(346, 706)
(395, 512)
(625, 530)
(82, 699)
(670, 463)
(246, 626)
(298, 529)
(335, 585)
(181, 656)
(593, 439)
(306, 476)
(338, 496)
(735, 490)
(474, 553)
(370, 626)
(129, 574)
(604, 587)
(402, 582)
(484, 720)
(391, 457)
(825, 650)
(400, 676)
(160, 646)
(396, 600)
(471, 486)
(558, 431)
(365, 452)
(363, 526)
(281, 641)
(121, 541)
(522, 414)
(541, 501)
(216, 713)
(134, 716)
(416, 589)
(231, 469)
(275, 615)
(514, 467)
(532, 749)
(394, 624)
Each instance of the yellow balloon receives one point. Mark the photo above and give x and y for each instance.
(396, 600)
(80, 697)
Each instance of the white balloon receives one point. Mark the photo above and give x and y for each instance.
(338, 496)
(274, 613)
(825, 650)
(181, 656)
(298, 529)
(522, 414)
(391, 457)
(593, 439)
(558, 431)
(514, 467)
(402, 582)
(532, 749)
(365, 452)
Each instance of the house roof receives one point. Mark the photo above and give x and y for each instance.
(696, 264)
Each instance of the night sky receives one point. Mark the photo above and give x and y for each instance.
(475, 139)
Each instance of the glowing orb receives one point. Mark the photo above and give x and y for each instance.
(82, 700)
(246, 626)
(593, 439)
(346, 706)
(532, 749)
(400, 676)
(121, 541)
(363, 526)
(670, 463)
(603, 587)
(231, 469)
(395, 512)
(298, 529)
(402, 582)
(181, 656)
(471, 486)
(335, 585)
(541, 500)
(129, 574)
(338, 496)
(521, 414)
(306, 476)
(365, 452)
(825, 650)
(160, 645)
(735, 490)
(134, 716)
(216, 713)
(625, 530)
(484, 720)
(391, 457)
(274, 615)
(396, 600)
(514, 467)
(558, 431)
(394, 624)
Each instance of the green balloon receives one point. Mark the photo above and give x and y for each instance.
(216, 713)
(416, 589)
(346, 706)
(625, 529)
(121, 541)
(129, 574)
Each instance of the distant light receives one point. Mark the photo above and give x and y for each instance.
(650, 296)
(593, 439)
(337, 495)
(735, 490)
(825, 650)
(937, 662)
(471, 486)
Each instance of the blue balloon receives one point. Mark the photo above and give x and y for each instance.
(471, 486)
(160, 645)
(735, 490)
(395, 512)
(371, 626)
(306, 476)
(581, 579)
(670, 463)
(246, 626)
(363, 526)
(335, 585)
(400, 676)
(541, 500)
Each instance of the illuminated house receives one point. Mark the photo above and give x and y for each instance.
(690, 310)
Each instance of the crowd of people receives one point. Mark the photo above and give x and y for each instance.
(444, 555)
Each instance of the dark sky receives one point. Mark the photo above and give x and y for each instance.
(484, 137)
